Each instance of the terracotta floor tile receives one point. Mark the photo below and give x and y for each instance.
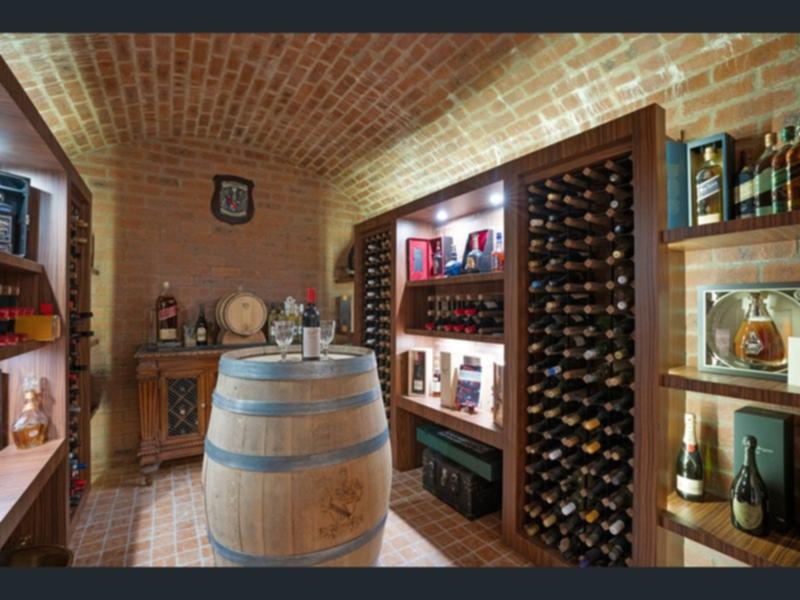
(164, 525)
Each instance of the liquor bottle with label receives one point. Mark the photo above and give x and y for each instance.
(780, 191)
(472, 260)
(762, 177)
(311, 333)
(744, 199)
(498, 254)
(201, 328)
(709, 189)
(8, 233)
(689, 467)
(793, 172)
(749, 503)
(166, 316)
(758, 341)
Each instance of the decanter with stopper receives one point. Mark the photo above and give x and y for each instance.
(30, 428)
(758, 341)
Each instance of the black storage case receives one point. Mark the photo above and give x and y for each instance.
(468, 493)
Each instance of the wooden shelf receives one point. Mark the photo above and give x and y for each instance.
(709, 523)
(458, 280)
(757, 230)
(479, 425)
(734, 386)
(453, 335)
(17, 349)
(17, 263)
(23, 474)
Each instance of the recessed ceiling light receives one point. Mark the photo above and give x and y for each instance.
(496, 199)
(441, 215)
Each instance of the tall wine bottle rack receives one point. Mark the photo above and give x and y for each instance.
(581, 363)
(80, 335)
(377, 305)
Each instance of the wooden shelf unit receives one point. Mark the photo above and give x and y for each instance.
(755, 389)
(454, 335)
(756, 230)
(479, 425)
(642, 134)
(709, 524)
(9, 262)
(41, 509)
(478, 278)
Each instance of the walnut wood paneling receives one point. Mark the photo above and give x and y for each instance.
(709, 523)
(741, 232)
(734, 386)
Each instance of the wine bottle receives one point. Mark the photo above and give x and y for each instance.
(689, 467)
(748, 496)
(311, 332)
(201, 328)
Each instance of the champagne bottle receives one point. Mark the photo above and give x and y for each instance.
(689, 468)
(748, 496)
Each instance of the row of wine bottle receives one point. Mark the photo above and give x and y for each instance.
(377, 305)
(581, 364)
(78, 354)
(482, 315)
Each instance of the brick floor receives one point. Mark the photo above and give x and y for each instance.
(127, 524)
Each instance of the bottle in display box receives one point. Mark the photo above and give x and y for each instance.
(709, 189)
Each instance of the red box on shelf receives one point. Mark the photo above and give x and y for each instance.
(426, 257)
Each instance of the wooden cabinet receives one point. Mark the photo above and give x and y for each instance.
(175, 388)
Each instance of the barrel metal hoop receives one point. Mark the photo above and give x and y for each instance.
(260, 408)
(235, 364)
(297, 560)
(282, 464)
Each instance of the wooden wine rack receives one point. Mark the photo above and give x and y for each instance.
(637, 142)
(79, 383)
(376, 330)
(579, 472)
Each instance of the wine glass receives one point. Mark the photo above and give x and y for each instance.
(327, 329)
(283, 332)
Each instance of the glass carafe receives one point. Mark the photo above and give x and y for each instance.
(30, 428)
(758, 341)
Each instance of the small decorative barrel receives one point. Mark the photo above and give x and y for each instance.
(242, 313)
(297, 466)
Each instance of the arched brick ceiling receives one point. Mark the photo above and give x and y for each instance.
(319, 101)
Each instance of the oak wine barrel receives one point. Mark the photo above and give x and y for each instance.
(297, 465)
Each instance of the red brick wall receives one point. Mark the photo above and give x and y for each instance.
(152, 222)
(556, 85)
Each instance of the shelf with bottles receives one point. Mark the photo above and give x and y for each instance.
(709, 523)
(579, 469)
(758, 205)
(478, 317)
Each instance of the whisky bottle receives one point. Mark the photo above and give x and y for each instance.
(167, 316)
(30, 428)
(744, 199)
(708, 183)
(780, 192)
(498, 254)
(762, 177)
(758, 341)
(472, 261)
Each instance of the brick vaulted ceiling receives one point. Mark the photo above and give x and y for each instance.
(319, 101)
(390, 117)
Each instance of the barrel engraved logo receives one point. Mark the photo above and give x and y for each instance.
(340, 501)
